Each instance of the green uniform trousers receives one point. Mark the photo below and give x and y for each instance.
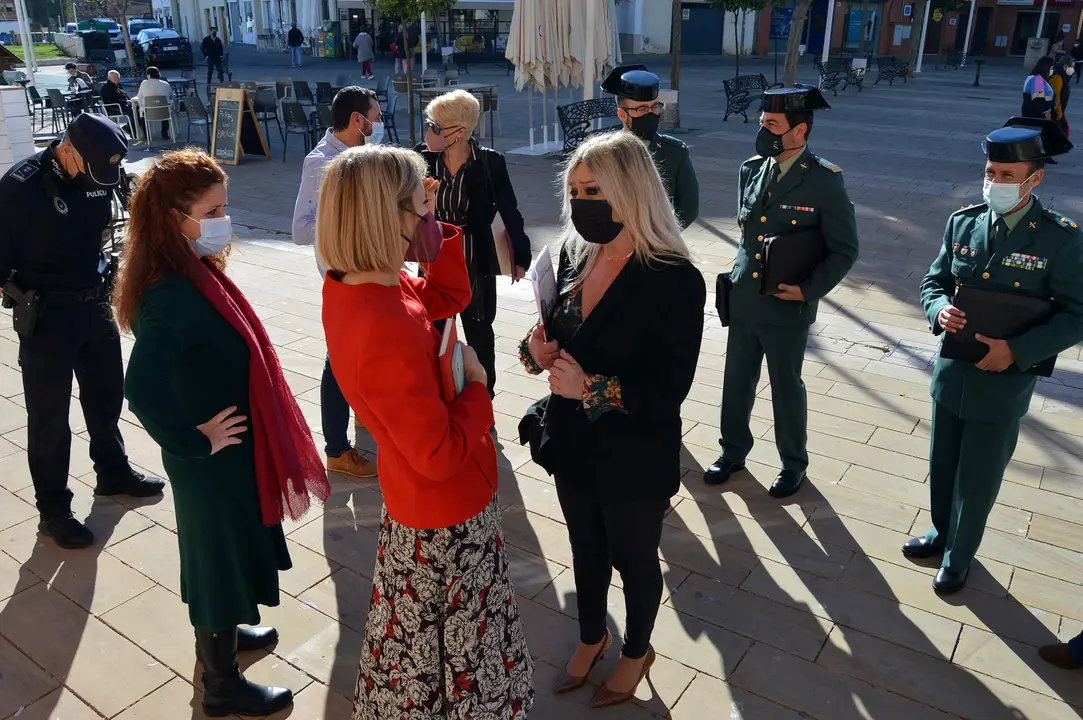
(784, 346)
(967, 459)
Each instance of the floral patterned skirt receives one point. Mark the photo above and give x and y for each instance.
(443, 638)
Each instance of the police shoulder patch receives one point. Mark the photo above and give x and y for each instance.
(671, 142)
(828, 164)
(968, 209)
(1058, 220)
(25, 170)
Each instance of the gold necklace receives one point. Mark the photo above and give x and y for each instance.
(618, 259)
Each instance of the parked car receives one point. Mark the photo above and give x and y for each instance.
(71, 28)
(162, 47)
(116, 35)
(139, 25)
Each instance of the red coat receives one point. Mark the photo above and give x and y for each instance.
(437, 461)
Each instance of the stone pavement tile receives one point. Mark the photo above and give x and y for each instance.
(867, 456)
(903, 408)
(14, 578)
(157, 621)
(1055, 428)
(713, 521)
(1018, 664)
(80, 648)
(819, 692)
(13, 510)
(914, 493)
(530, 573)
(745, 495)
(532, 532)
(560, 594)
(14, 472)
(1003, 518)
(22, 681)
(680, 548)
(905, 443)
(781, 544)
(1049, 593)
(705, 434)
(344, 596)
(1039, 557)
(155, 553)
(823, 422)
(744, 613)
(175, 700)
(12, 417)
(1041, 502)
(572, 706)
(1004, 615)
(60, 704)
(934, 682)
(1056, 532)
(321, 647)
(1023, 473)
(340, 540)
(8, 448)
(317, 702)
(309, 568)
(836, 603)
(726, 701)
(1063, 483)
(832, 498)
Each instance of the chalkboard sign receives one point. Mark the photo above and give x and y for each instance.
(236, 131)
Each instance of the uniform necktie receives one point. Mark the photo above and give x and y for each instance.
(1000, 231)
(772, 179)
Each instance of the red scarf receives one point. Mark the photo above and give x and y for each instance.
(288, 466)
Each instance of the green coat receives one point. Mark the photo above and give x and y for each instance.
(188, 365)
(674, 164)
(1055, 271)
(812, 193)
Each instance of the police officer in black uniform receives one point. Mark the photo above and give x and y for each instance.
(54, 209)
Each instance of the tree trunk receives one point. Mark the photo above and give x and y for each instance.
(797, 25)
(675, 53)
(737, 46)
(127, 40)
(915, 36)
(409, 83)
(864, 20)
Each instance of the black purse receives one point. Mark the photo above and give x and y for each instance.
(534, 432)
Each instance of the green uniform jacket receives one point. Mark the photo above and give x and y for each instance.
(187, 366)
(810, 194)
(674, 164)
(1041, 257)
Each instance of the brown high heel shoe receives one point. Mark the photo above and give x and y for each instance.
(604, 697)
(565, 682)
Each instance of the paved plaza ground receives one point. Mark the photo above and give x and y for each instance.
(772, 610)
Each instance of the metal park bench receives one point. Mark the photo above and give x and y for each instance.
(742, 91)
(888, 68)
(577, 120)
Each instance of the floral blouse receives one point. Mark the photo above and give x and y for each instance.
(603, 394)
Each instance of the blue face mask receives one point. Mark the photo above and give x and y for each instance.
(1002, 197)
(215, 235)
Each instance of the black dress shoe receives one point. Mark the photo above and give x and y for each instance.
(919, 547)
(786, 483)
(721, 470)
(132, 483)
(949, 581)
(67, 532)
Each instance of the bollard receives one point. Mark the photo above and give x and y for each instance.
(977, 73)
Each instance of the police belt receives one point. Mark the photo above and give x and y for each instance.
(73, 297)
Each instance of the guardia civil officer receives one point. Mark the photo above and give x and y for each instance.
(54, 208)
(1008, 243)
(640, 111)
(783, 189)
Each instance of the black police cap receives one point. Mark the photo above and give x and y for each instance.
(1024, 139)
(795, 99)
(102, 145)
(633, 82)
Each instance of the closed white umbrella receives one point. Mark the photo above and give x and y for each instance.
(523, 52)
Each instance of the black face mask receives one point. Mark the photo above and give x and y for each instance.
(645, 127)
(593, 219)
(768, 144)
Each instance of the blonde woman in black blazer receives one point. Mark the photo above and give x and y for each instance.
(625, 340)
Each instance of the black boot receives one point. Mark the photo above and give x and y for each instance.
(225, 689)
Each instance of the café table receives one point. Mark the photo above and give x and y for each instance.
(485, 89)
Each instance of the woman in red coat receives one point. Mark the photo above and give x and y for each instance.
(443, 637)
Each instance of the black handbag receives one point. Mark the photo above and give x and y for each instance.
(722, 286)
(534, 432)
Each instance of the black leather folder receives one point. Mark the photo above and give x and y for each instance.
(996, 314)
(722, 286)
(791, 258)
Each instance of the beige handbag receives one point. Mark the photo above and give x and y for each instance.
(505, 253)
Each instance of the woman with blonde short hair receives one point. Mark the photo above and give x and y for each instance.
(475, 189)
(621, 356)
(443, 637)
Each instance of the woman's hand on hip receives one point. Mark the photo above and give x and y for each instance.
(474, 370)
(222, 429)
(566, 378)
(544, 353)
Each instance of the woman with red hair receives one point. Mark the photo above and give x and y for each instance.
(206, 383)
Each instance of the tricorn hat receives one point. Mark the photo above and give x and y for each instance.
(795, 99)
(1024, 139)
(634, 82)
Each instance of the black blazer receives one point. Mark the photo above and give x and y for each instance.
(112, 94)
(646, 330)
(485, 201)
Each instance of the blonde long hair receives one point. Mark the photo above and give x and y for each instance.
(364, 190)
(626, 174)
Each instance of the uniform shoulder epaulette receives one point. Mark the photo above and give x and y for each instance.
(671, 141)
(25, 170)
(968, 208)
(1060, 220)
(753, 159)
(828, 164)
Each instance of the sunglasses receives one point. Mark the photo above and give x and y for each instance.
(657, 108)
(437, 128)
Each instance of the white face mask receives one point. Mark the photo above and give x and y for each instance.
(377, 135)
(215, 235)
(1002, 197)
(1069, 71)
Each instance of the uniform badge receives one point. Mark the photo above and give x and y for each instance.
(24, 172)
(804, 166)
(1033, 225)
(60, 205)
(115, 159)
